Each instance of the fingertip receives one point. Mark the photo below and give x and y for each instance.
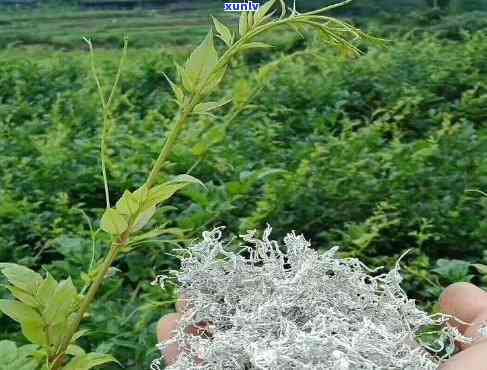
(454, 290)
(166, 326)
(463, 300)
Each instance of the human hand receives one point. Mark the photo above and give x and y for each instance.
(462, 300)
(468, 303)
(169, 323)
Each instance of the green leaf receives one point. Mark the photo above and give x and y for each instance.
(143, 218)
(20, 358)
(79, 334)
(453, 270)
(46, 290)
(113, 222)
(263, 10)
(141, 194)
(34, 332)
(33, 364)
(214, 80)
(200, 149)
(26, 350)
(187, 179)
(178, 92)
(19, 311)
(30, 320)
(62, 303)
(158, 232)
(242, 92)
(8, 351)
(188, 84)
(21, 277)
(56, 332)
(480, 268)
(89, 361)
(128, 204)
(201, 62)
(23, 296)
(269, 172)
(160, 193)
(242, 23)
(224, 32)
(209, 106)
(75, 350)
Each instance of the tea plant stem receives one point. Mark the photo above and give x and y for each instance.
(109, 259)
(170, 142)
(329, 7)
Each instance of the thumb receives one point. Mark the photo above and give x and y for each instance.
(165, 328)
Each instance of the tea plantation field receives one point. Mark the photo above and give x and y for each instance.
(377, 154)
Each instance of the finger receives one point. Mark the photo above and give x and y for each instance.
(165, 330)
(473, 331)
(473, 358)
(166, 326)
(464, 301)
(468, 303)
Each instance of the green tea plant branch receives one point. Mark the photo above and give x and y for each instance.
(50, 312)
(243, 94)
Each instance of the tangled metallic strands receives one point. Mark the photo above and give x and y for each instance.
(270, 307)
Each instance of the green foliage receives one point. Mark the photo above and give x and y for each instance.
(45, 309)
(453, 270)
(19, 358)
(60, 26)
(375, 155)
(88, 361)
(113, 222)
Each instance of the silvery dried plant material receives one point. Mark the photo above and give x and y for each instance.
(483, 330)
(290, 307)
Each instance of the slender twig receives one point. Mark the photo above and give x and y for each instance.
(93, 238)
(119, 71)
(106, 104)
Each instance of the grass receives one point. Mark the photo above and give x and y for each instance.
(63, 28)
(183, 24)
